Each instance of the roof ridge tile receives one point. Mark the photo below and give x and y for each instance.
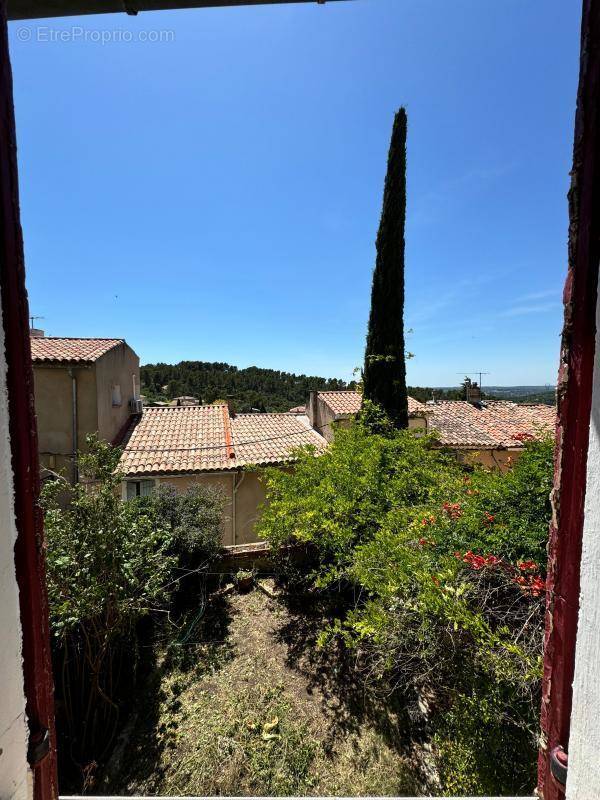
(197, 440)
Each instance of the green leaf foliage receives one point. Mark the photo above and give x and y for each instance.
(107, 561)
(434, 570)
(110, 566)
(194, 518)
(249, 388)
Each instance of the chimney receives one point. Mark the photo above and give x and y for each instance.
(311, 408)
(474, 393)
(230, 407)
(36, 333)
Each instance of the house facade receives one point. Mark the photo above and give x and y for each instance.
(326, 408)
(209, 445)
(82, 386)
(489, 433)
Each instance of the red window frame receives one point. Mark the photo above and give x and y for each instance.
(29, 546)
(574, 408)
(576, 372)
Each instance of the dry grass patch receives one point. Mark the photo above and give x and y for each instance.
(246, 709)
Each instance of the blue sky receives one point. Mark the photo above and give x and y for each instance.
(216, 195)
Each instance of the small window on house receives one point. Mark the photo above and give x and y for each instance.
(139, 489)
(116, 395)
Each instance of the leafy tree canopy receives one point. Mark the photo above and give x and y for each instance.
(252, 388)
(109, 565)
(435, 573)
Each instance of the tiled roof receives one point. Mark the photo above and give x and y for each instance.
(271, 438)
(53, 349)
(188, 439)
(415, 408)
(298, 410)
(344, 403)
(341, 402)
(177, 439)
(493, 425)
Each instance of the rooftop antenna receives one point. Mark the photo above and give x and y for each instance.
(33, 319)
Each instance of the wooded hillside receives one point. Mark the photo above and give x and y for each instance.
(249, 388)
(273, 390)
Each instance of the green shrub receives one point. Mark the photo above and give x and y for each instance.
(518, 501)
(480, 751)
(109, 564)
(435, 570)
(194, 518)
(340, 500)
(107, 561)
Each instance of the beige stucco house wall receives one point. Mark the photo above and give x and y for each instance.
(244, 492)
(117, 383)
(54, 412)
(322, 416)
(250, 496)
(95, 395)
(499, 458)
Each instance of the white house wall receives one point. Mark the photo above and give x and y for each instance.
(15, 781)
(583, 781)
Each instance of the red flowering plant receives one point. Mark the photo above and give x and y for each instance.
(527, 566)
(523, 437)
(470, 622)
(433, 572)
(503, 514)
(524, 574)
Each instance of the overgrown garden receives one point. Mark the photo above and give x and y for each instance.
(414, 579)
(432, 575)
(114, 569)
(411, 585)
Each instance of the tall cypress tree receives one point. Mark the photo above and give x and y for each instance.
(385, 368)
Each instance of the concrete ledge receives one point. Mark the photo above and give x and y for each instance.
(256, 556)
(145, 797)
(255, 548)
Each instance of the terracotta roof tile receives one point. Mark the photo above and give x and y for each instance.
(345, 403)
(495, 424)
(415, 408)
(177, 439)
(188, 439)
(51, 349)
(271, 438)
(341, 403)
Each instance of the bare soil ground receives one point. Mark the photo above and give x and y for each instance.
(251, 706)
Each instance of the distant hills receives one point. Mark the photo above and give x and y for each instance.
(523, 394)
(517, 394)
(252, 388)
(255, 388)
